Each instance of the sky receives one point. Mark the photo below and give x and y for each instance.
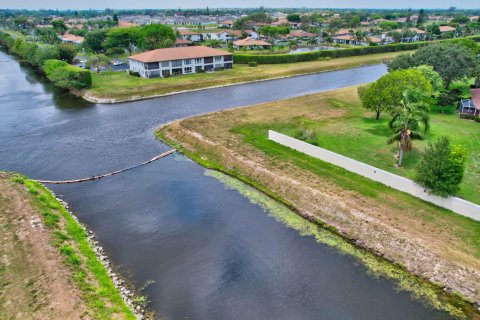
(169, 4)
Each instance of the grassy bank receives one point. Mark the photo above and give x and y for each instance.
(85, 274)
(119, 86)
(429, 242)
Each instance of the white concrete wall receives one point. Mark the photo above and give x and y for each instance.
(454, 204)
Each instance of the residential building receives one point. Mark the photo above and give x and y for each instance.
(72, 39)
(187, 34)
(182, 43)
(177, 61)
(251, 44)
(471, 106)
(444, 29)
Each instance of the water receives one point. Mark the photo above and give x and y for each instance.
(211, 253)
(308, 49)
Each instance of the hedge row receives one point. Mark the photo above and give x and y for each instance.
(45, 58)
(315, 55)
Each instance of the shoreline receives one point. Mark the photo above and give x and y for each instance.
(201, 150)
(94, 99)
(43, 199)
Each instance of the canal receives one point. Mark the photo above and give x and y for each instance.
(206, 251)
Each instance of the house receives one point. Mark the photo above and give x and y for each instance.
(471, 106)
(285, 22)
(444, 29)
(351, 40)
(226, 24)
(182, 43)
(402, 20)
(71, 38)
(418, 35)
(250, 43)
(474, 19)
(177, 61)
(187, 34)
(300, 34)
(342, 32)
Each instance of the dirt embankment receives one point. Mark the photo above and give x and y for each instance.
(34, 280)
(386, 225)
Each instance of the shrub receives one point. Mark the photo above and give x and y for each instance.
(51, 64)
(66, 52)
(441, 168)
(252, 63)
(66, 76)
(44, 53)
(307, 135)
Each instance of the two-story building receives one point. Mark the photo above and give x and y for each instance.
(177, 61)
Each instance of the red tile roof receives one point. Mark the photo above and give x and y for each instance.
(447, 29)
(301, 33)
(251, 42)
(178, 54)
(476, 97)
(123, 24)
(72, 38)
(182, 41)
(187, 32)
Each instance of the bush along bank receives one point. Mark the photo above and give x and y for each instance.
(341, 53)
(38, 55)
(104, 293)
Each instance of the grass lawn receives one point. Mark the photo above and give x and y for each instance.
(356, 134)
(120, 86)
(429, 240)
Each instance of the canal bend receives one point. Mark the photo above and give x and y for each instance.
(206, 251)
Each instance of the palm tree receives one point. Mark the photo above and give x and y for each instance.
(409, 122)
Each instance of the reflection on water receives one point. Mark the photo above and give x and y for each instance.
(308, 49)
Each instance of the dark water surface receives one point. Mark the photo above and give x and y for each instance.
(211, 252)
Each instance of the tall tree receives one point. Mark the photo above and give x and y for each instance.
(422, 18)
(125, 38)
(386, 93)
(154, 36)
(66, 52)
(408, 123)
(59, 26)
(441, 168)
(94, 40)
(440, 57)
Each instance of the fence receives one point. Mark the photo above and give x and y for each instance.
(454, 204)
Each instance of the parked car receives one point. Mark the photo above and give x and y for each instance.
(117, 63)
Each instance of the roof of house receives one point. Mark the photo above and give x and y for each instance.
(416, 30)
(476, 97)
(123, 24)
(301, 33)
(344, 37)
(182, 41)
(342, 32)
(72, 38)
(446, 28)
(375, 39)
(187, 32)
(227, 22)
(251, 42)
(179, 53)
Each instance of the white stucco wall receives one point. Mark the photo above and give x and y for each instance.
(454, 204)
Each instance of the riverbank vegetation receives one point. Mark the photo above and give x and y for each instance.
(61, 73)
(68, 282)
(430, 242)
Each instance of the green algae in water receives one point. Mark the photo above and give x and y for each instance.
(377, 267)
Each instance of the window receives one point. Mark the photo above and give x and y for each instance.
(187, 61)
(199, 60)
(228, 58)
(177, 63)
(151, 65)
(228, 65)
(165, 64)
(177, 72)
(218, 59)
(208, 60)
(188, 70)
